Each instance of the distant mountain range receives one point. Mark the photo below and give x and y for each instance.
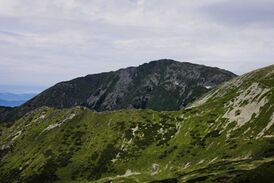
(159, 85)
(11, 103)
(12, 99)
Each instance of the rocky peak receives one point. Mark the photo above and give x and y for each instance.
(159, 85)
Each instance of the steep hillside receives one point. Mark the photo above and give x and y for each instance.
(225, 136)
(158, 85)
(6, 112)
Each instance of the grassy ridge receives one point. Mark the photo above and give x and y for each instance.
(196, 144)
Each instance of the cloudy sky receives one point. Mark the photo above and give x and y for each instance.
(46, 41)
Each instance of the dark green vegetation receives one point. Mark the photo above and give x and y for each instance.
(158, 85)
(6, 113)
(225, 136)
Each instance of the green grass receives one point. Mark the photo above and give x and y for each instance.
(189, 145)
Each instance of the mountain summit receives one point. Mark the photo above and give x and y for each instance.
(158, 85)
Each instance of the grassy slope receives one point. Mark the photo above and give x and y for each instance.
(191, 145)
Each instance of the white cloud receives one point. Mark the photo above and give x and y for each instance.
(56, 40)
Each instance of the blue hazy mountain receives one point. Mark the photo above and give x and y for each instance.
(13, 99)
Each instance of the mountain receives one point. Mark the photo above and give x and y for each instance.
(158, 85)
(12, 99)
(11, 103)
(16, 97)
(227, 135)
(6, 112)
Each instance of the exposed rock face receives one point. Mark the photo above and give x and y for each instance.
(247, 104)
(158, 85)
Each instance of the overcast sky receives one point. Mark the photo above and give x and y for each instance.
(46, 41)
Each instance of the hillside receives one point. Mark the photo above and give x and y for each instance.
(6, 112)
(158, 85)
(225, 136)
